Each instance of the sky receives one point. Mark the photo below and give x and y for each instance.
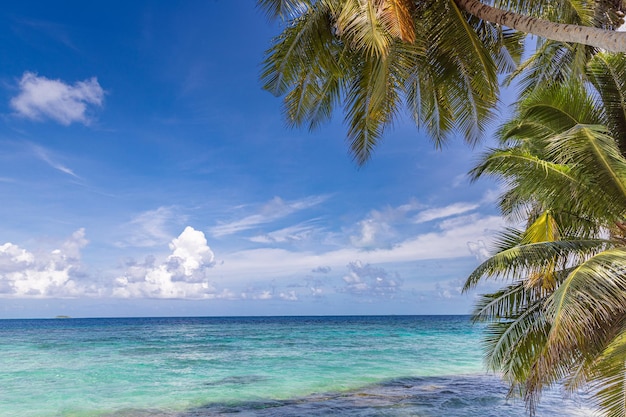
(145, 172)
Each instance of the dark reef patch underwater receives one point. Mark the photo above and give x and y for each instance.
(454, 396)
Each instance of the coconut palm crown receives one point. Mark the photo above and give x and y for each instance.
(437, 60)
(562, 315)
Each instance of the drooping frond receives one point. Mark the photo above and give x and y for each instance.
(594, 155)
(438, 60)
(559, 107)
(397, 17)
(607, 73)
(551, 63)
(527, 175)
(506, 45)
(283, 9)
(372, 99)
(359, 24)
(609, 377)
(586, 311)
(512, 343)
(592, 295)
(455, 87)
(522, 260)
(557, 153)
(563, 11)
(305, 44)
(543, 229)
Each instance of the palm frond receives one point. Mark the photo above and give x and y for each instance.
(283, 9)
(609, 379)
(359, 24)
(526, 259)
(397, 17)
(552, 63)
(371, 104)
(595, 155)
(565, 11)
(607, 73)
(306, 43)
(512, 345)
(455, 87)
(591, 296)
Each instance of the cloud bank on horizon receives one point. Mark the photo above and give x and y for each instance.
(191, 269)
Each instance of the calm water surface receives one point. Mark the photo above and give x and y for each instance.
(279, 366)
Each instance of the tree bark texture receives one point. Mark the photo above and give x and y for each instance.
(608, 40)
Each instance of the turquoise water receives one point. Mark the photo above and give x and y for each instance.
(279, 366)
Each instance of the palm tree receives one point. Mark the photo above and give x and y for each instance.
(562, 316)
(438, 58)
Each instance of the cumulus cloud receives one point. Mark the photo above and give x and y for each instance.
(372, 233)
(322, 269)
(449, 289)
(56, 273)
(315, 287)
(367, 280)
(42, 98)
(479, 250)
(255, 293)
(288, 296)
(182, 275)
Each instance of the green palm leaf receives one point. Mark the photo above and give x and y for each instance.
(607, 73)
(283, 9)
(523, 260)
(609, 378)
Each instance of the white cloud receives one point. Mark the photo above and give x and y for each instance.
(443, 212)
(369, 281)
(182, 275)
(265, 295)
(379, 227)
(190, 250)
(274, 210)
(257, 294)
(42, 98)
(460, 180)
(479, 250)
(288, 296)
(288, 234)
(44, 156)
(449, 289)
(150, 228)
(189, 270)
(449, 242)
(56, 273)
(372, 232)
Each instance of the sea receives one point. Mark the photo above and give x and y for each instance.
(391, 366)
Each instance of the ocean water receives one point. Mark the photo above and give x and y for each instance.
(396, 366)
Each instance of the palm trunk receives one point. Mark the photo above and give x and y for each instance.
(608, 40)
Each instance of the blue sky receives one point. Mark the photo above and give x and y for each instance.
(144, 172)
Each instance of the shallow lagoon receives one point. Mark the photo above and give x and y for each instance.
(255, 366)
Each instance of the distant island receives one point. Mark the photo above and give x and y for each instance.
(62, 317)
